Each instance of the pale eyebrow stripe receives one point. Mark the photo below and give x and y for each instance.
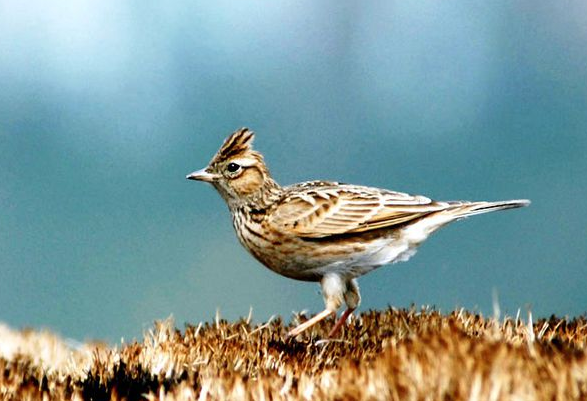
(245, 161)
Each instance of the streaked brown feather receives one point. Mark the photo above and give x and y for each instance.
(239, 142)
(321, 209)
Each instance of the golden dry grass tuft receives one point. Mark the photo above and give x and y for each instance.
(381, 355)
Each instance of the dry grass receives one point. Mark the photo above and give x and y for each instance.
(388, 355)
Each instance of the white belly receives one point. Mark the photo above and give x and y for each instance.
(378, 253)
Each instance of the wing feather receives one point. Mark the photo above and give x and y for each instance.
(325, 209)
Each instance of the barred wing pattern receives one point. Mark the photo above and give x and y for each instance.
(319, 209)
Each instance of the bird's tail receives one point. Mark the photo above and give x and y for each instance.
(465, 209)
(420, 230)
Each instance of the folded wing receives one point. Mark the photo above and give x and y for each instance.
(322, 209)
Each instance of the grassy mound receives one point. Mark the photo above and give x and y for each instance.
(381, 355)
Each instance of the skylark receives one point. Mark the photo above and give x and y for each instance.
(321, 231)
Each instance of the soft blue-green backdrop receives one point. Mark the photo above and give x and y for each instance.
(106, 105)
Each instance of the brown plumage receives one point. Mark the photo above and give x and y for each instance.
(325, 231)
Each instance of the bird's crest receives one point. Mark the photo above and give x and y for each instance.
(238, 143)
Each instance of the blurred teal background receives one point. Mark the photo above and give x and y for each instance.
(106, 105)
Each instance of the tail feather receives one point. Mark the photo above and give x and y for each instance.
(466, 209)
(420, 230)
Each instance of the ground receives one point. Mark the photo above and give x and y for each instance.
(416, 354)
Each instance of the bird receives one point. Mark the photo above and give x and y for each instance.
(325, 231)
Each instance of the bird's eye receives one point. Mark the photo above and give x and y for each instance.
(233, 167)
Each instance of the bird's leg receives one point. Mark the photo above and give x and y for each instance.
(352, 298)
(340, 322)
(309, 323)
(333, 290)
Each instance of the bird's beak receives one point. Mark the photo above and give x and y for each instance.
(202, 175)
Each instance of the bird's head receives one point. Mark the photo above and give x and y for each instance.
(237, 171)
